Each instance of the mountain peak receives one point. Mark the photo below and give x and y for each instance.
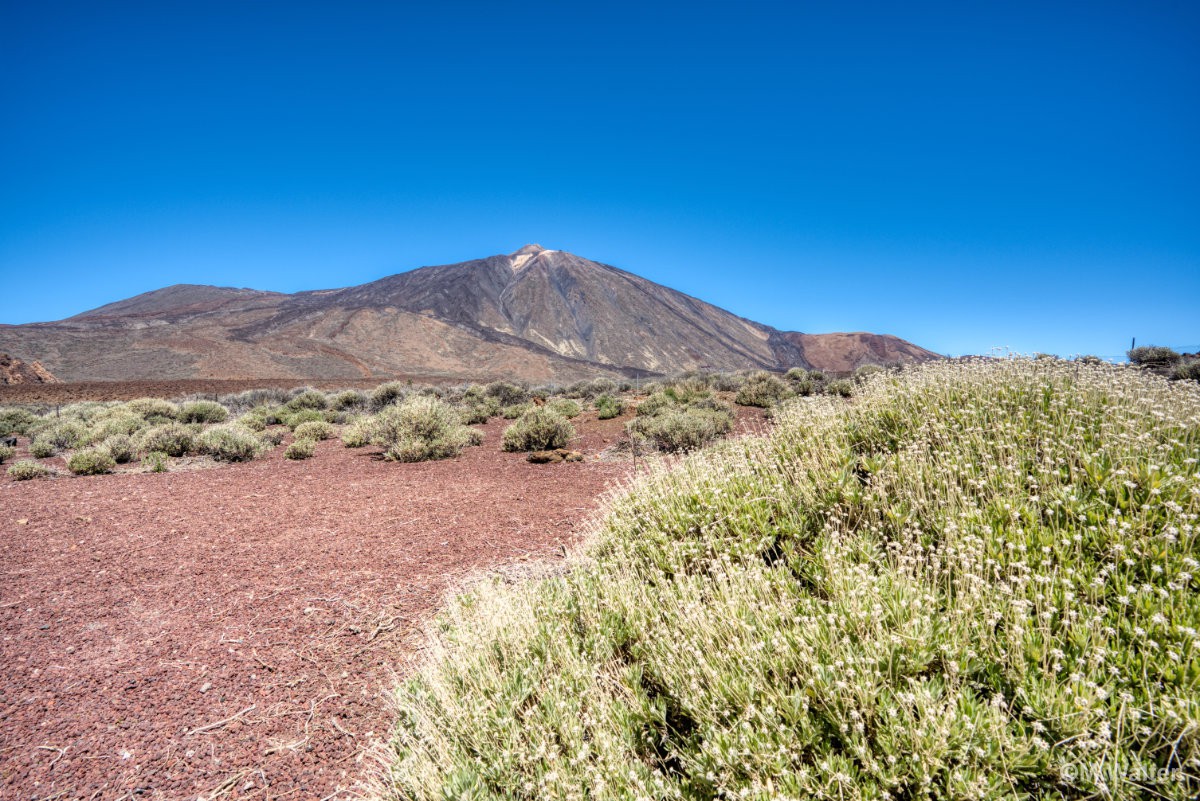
(527, 254)
(530, 250)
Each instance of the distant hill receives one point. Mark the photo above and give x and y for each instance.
(844, 352)
(536, 314)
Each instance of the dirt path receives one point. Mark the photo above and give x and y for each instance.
(233, 632)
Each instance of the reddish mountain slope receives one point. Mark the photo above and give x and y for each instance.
(843, 352)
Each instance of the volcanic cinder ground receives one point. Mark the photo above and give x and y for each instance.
(236, 629)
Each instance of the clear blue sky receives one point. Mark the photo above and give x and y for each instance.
(964, 175)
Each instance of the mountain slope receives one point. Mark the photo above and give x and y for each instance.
(842, 352)
(536, 314)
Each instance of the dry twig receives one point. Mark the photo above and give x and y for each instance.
(218, 724)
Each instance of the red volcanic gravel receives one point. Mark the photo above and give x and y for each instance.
(234, 632)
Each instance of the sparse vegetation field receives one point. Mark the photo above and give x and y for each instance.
(969, 580)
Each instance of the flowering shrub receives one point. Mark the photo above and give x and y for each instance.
(978, 580)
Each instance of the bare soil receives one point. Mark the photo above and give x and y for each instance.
(235, 632)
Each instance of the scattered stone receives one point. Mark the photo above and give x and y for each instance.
(206, 686)
(555, 456)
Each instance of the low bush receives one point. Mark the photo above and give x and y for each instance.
(608, 407)
(173, 439)
(120, 448)
(64, 435)
(727, 382)
(91, 462)
(387, 394)
(565, 406)
(26, 469)
(579, 389)
(314, 430)
(300, 449)
(254, 422)
(591, 388)
(684, 429)
(357, 434)
(294, 420)
(539, 429)
(1153, 356)
(240, 402)
(655, 404)
(155, 462)
(439, 392)
(7, 452)
(840, 387)
(270, 416)
(805, 387)
(231, 443)
(308, 399)
(866, 371)
(271, 437)
(1187, 371)
(15, 420)
(687, 390)
(350, 400)
(86, 412)
(515, 411)
(41, 449)
(506, 394)
(203, 412)
(121, 422)
(478, 409)
(419, 429)
(763, 390)
(153, 410)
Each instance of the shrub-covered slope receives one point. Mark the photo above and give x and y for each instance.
(976, 580)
